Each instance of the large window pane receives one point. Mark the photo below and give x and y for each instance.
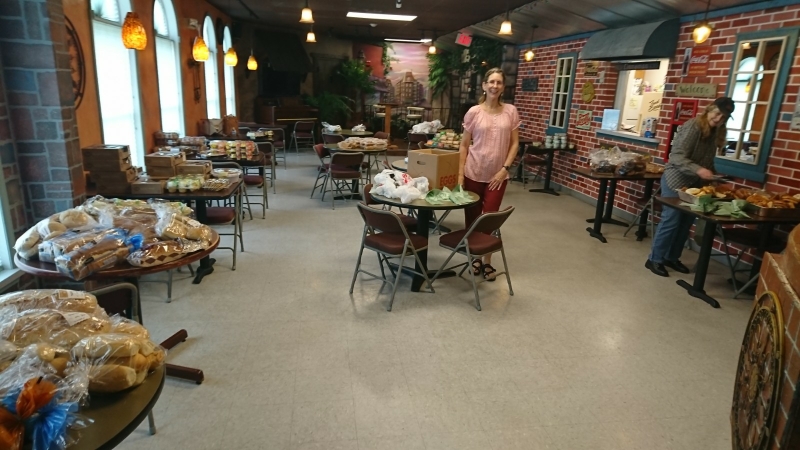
(169, 87)
(230, 88)
(561, 86)
(212, 81)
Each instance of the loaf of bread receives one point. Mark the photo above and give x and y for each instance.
(27, 244)
(63, 329)
(94, 256)
(50, 228)
(106, 346)
(112, 378)
(122, 325)
(58, 299)
(116, 361)
(50, 249)
(157, 253)
(75, 218)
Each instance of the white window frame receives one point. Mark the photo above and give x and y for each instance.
(8, 272)
(230, 80)
(560, 104)
(210, 70)
(623, 95)
(136, 147)
(166, 89)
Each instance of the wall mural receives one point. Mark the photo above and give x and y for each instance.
(77, 62)
(407, 82)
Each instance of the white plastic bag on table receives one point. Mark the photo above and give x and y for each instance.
(27, 245)
(408, 193)
(359, 128)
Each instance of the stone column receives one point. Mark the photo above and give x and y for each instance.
(35, 63)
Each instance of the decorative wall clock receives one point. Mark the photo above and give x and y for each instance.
(77, 62)
(756, 391)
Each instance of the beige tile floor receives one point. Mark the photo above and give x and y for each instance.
(593, 351)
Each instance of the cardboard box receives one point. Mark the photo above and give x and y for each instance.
(440, 167)
(160, 172)
(105, 152)
(147, 186)
(164, 159)
(193, 167)
(107, 165)
(108, 189)
(114, 177)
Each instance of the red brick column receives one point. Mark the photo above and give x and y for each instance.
(37, 90)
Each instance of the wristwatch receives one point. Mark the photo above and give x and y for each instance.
(508, 168)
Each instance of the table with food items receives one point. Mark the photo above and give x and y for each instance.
(445, 140)
(720, 205)
(371, 147)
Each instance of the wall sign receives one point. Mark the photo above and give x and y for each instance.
(583, 120)
(696, 90)
(530, 84)
(590, 69)
(698, 61)
(646, 65)
(587, 92)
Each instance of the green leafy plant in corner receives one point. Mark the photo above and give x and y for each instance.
(333, 108)
(386, 59)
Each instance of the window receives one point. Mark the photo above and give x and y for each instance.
(230, 87)
(756, 83)
(168, 66)
(212, 82)
(639, 94)
(117, 80)
(562, 92)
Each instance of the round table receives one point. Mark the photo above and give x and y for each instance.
(333, 148)
(117, 415)
(400, 165)
(132, 275)
(354, 133)
(424, 214)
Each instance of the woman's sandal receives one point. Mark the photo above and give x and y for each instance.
(477, 267)
(488, 271)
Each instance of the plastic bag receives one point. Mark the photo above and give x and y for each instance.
(133, 222)
(59, 328)
(162, 252)
(76, 219)
(359, 128)
(458, 196)
(27, 245)
(396, 184)
(331, 128)
(59, 299)
(604, 160)
(50, 249)
(96, 256)
(50, 228)
(427, 127)
(631, 163)
(173, 225)
(115, 362)
(123, 325)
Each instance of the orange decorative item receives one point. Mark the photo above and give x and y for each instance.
(35, 394)
(133, 34)
(12, 431)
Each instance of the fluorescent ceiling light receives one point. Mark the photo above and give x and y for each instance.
(361, 15)
(415, 41)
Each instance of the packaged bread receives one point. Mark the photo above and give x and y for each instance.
(8, 353)
(50, 228)
(50, 249)
(96, 256)
(59, 328)
(123, 325)
(76, 218)
(58, 299)
(27, 244)
(116, 362)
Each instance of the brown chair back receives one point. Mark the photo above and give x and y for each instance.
(489, 222)
(332, 138)
(381, 135)
(304, 127)
(277, 133)
(380, 220)
(353, 160)
(367, 196)
(321, 151)
(415, 140)
(265, 147)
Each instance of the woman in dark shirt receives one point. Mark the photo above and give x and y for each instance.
(691, 163)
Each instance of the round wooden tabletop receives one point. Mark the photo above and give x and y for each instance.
(355, 133)
(125, 270)
(335, 148)
(400, 165)
(422, 204)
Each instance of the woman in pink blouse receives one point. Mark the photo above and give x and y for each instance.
(493, 129)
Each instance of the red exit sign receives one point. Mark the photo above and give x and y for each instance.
(464, 39)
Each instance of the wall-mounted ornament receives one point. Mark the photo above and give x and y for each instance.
(704, 90)
(583, 120)
(590, 69)
(587, 92)
(699, 61)
(77, 62)
(530, 84)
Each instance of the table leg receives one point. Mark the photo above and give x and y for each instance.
(697, 289)
(598, 213)
(548, 174)
(641, 233)
(763, 242)
(206, 263)
(387, 121)
(612, 191)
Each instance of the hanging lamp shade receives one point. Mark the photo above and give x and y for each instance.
(200, 49)
(505, 27)
(133, 34)
(305, 15)
(311, 37)
(231, 59)
(702, 32)
(529, 55)
(252, 64)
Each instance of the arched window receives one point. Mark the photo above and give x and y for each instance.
(212, 82)
(168, 65)
(117, 80)
(230, 87)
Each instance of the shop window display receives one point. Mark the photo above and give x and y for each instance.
(117, 82)
(212, 82)
(168, 65)
(639, 96)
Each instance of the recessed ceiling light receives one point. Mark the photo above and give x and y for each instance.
(361, 15)
(415, 41)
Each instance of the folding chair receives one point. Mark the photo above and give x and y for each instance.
(303, 131)
(322, 170)
(278, 143)
(385, 234)
(331, 138)
(409, 222)
(481, 239)
(533, 158)
(344, 167)
(649, 205)
(260, 182)
(381, 135)
(227, 215)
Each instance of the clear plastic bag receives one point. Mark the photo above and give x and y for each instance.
(162, 252)
(27, 245)
(96, 256)
(115, 362)
(604, 160)
(123, 325)
(59, 299)
(59, 328)
(50, 249)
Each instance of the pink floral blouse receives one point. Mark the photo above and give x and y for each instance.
(491, 137)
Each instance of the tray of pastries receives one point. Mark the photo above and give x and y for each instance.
(357, 143)
(770, 204)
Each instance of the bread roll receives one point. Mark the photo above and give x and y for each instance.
(28, 240)
(121, 325)
(75, 218)
(49, 228)
(156, 358)
(58, 299)
(8, 351)
(106, 346)
(136, 362)
(60, 365)
(63, 329)
(111, 378)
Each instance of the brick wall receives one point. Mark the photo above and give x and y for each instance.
(784, 161)
(40, 104)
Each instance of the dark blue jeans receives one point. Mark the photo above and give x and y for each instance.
(672, 231)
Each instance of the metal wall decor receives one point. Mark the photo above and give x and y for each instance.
(587, 92)
(530, 84)
(756, 391)
(77, 62)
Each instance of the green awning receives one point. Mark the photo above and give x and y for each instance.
(650, 40)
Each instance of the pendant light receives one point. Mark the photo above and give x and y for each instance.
(305, 15)
(432, 47)
(311, 37)
(703, 30)
(252, 64)
(529, 54)
(231, 58)
(199, 49)
(505, 27)
(133, 34)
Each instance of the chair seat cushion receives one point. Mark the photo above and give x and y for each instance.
(253, 180)
(338, 171)
(392, 243)
(220, 215)
(277, 144)
(479, 243)
(303, 135)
